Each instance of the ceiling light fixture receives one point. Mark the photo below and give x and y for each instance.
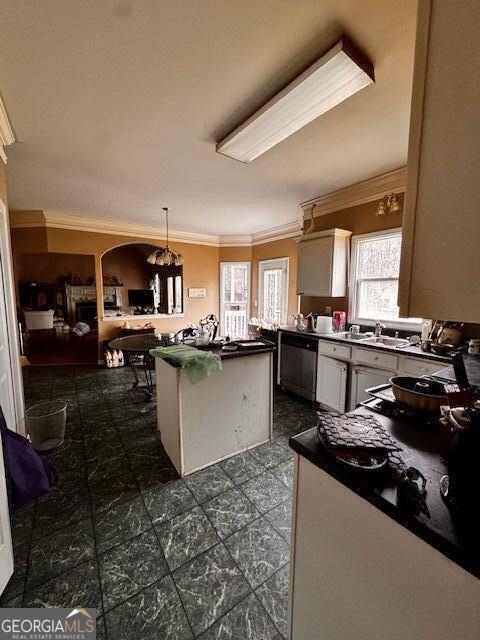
(165, 256)
(388, 204)
(336, 76)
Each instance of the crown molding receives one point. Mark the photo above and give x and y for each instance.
(359, 193)
(124, 228)
(289, 230)
(54, 220)
(6, 132)
(235, 241)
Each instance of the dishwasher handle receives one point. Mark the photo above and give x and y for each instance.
(301, 342)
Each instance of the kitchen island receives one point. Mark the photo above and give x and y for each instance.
(224, 414)
(363, 568)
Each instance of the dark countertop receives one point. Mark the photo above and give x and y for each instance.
(420, 449)
(472, 367)
(413, 350)
(228, 355)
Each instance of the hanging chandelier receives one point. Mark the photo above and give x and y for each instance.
(165, 256)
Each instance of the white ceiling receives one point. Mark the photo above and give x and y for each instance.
(117, 105)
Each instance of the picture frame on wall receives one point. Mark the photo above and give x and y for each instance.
(196, 292)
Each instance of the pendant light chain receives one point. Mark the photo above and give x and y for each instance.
(166, 217)
(166, 256)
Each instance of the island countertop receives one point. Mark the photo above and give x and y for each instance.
(228, 355)
(420, 449)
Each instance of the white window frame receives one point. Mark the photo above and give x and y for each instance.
(353, 317)
(274, 263)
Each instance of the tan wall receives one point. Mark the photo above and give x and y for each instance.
(360, 219)
(200, 270)
(130, 267)
(235, 254)
(47, 267)
(278, 249)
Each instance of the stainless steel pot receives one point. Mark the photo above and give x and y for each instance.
(419, 393)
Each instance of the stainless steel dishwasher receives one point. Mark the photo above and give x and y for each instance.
(298, 364)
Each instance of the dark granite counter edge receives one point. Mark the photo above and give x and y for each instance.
(226, 355)
(413, 525)
(412, 351)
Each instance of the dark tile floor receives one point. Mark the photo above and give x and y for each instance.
(159, 557)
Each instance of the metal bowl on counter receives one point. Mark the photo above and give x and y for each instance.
(419, 393)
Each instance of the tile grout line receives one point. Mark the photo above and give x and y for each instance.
(143, 493)
(160, 545)
(93, 522)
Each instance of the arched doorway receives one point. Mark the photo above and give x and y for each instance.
(134, 287)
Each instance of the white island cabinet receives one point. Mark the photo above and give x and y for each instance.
(356, 574)
(220, 416)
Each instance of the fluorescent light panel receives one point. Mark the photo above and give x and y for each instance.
(336, 76)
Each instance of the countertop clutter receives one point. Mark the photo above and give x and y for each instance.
(240, 352)
(411, 350)
(420, 448)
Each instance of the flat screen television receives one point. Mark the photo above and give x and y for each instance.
(140, 298)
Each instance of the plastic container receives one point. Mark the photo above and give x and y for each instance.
(38, 320)
(45, 423)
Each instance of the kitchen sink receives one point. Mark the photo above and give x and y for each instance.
(385, 341)
(347, 335)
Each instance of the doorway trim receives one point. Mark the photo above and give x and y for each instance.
(12, 327)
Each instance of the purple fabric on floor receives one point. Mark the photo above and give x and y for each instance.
(29, 475)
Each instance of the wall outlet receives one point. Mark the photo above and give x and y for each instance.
(328, 310)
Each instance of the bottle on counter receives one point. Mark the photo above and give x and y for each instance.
(426, 329)
(474, 347)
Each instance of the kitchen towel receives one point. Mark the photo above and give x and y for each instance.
(197, 364)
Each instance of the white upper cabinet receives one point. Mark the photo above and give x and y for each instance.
(322, 263)
(440, 266)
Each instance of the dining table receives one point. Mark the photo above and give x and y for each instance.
(136, 350)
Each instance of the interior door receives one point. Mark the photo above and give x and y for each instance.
(234, 298)
(6, 403)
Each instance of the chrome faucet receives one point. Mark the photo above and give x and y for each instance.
(378, 328)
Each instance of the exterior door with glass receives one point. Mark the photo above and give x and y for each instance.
(234, 298)
(273, 290)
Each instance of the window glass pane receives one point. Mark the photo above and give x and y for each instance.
(378, 300)
(240, 285)
(178, 294)
(227, 283)
(379, 257)
(155, 285)
(272, 295)
(170, 294)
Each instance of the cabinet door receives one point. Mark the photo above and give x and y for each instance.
(315, 263)
(331, 383)
(364, 378)
(441, 222)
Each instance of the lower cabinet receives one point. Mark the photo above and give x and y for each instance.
(364, 378)
(345, 371)
(332, 382)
